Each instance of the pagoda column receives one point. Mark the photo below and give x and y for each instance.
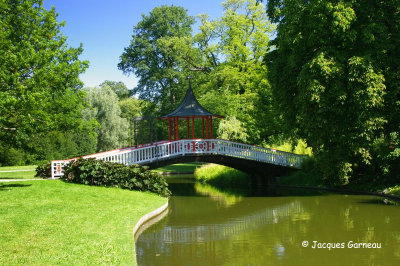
(207, 128)
(202, 119)
(169, 129)
(193, 135)
(187, 127)
(193, 128)
(211, 127)
(177, 128)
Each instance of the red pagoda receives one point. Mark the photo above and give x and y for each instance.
(189, 110)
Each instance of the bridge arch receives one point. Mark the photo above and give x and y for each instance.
(250, 167)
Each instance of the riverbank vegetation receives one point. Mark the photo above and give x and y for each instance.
(393, 191)
(216, 174)
(50, 222)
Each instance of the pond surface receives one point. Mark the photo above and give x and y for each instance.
(260, 226)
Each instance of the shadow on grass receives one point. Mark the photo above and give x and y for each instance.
(7, 186)
(11, 178)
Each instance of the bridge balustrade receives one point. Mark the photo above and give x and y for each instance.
(166, 150)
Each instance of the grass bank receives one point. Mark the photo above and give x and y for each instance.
(50, 222)
(179, 168)
(18, 172)
(220, 175)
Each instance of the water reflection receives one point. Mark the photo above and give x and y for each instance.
(226, 197)
(219, 231)
(214, 226)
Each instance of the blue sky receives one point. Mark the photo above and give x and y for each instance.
(105, 29)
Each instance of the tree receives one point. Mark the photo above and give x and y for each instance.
(335, 79)
(119, 88)
(131, 109)
(39, 74)
(103, 106)
(159, 74)
(232, 129)
(226, 59)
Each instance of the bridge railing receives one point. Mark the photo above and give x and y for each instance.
(164, 150)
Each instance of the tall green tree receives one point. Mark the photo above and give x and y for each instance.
(103, 107)
(335, 77)
(160, 75)
(131, 109)
(226, 59)
(119, 88)
(39, 74)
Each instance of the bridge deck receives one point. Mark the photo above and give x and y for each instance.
(166, 150)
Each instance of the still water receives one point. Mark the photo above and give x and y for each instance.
(259, 226)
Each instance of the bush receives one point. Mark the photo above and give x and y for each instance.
(43, 170)
(393, 190)
(99, 173)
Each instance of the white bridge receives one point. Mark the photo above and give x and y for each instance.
(167, 150)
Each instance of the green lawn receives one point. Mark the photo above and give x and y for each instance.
(20, 172)
(180, 167)
(50, 222)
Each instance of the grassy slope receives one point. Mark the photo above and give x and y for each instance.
(51, 222)
(180, 167)
(219, 174)
(27, 173)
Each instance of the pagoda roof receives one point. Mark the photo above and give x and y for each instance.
(190, 107)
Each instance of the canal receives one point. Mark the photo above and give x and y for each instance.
(205, 225)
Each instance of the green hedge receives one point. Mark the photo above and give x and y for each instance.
(43, 170)
(99, 173)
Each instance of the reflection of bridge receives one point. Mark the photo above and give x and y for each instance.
(213, 232)
(241, 156)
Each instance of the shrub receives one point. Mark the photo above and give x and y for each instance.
(99, 173)
(393, 190)
(43, 170)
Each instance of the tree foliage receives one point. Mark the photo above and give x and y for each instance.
(39, 83)
(334, 76)
(103, 107)
(119, 88)
(40, 91)
(159, 74)
(225, 58)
